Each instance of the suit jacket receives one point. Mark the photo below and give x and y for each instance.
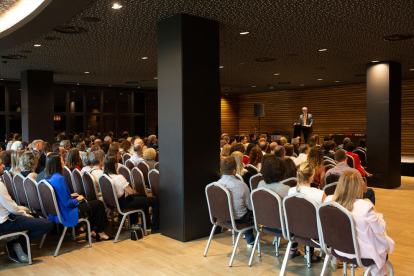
(41, 164)
(309, 120)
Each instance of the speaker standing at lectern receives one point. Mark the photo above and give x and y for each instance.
(306, 122)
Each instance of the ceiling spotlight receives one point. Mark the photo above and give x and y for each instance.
(144, 58)
(156, 78)
(412, 69)
(227, 94)
(1, 79)
(320, 79)
(253, 85)
(323, 50)
(116, 6)
(86, 72)
(336, 81)
(271, 87)
(37, 45)
(277, 74)
(77, 83)
(244, 33)
(221, 67)
(74, 91)
(375, 61)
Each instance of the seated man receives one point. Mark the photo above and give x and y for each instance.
(240, 195)
(327, 149)
(303, 155)
(289, 151)
(5, 157)
(341, 158)
(13, 218)
(153, 142)
(279, 152)
(138, 149)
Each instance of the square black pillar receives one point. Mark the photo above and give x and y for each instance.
(384, 124)
(189, 122)
(37, 105)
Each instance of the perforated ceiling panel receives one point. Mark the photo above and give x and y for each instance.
(292, 32)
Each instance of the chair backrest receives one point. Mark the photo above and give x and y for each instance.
(251, 169)
(219, 203)
(329, 162)
(32, 195)
(267, 209)
(254, 181)
(328, 158)
(68, 178)
(351, 161)
(362, 156)
(328, 167)
(337, 230)
(143, 167)
(363, 149)
(124, 171)
(48, 199)
(8, 181)
(18, 186)
(330, 188)
(138, 180)
(89, 186)
(245, 156)
(332, 177)
(157, 166)
(154, 181)
(108, 191)
(125, 157)
(239, 177)
(157, 156)
(300, 216)
(77, 180)
(291, 182)
(130, 164)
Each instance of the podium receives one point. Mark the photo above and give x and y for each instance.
(297, 131)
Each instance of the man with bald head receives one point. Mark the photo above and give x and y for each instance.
(108, 139)
(138, 149)
(98, 142)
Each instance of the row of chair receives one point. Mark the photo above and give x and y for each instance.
(328, 226)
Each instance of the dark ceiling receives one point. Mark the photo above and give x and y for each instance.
(291, 32)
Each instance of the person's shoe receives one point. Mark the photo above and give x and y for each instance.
(23, 258)
(10, 251)
(295, 254)
(250, 245)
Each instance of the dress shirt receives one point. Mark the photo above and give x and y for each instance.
(300, 159)
(342, 167)
(136, 158)
(7, 205)
(240, 195)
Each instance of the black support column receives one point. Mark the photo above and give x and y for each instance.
(37, 105)
(189, 122)
(384, 124)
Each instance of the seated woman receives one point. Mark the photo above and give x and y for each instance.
(82, 149)
(226, 150)
(28, 163)
(372, 238)
(128, 200)
(87, 161)
(15, 162)
(71, 204)
(315, 158)
(73, 160)
(240, 167)
(290, 168)
(249, 148)
(97, 159)
(149, 157)
(46, 148)
(255, 158)
(305, 176)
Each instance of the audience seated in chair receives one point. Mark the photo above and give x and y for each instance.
(306, 174)
(290, 151)
(138, 149)
(5, 157)
(255, 158)
(97, 160)
(240, 167)
(290, 168)
(239, 147)
(73, 160)
(28, 164)
(371, 235)
(128, 200)
(303, 155)
(87, 162)
(315, 158)
(149, 157)
(15, 162)
(274, 171)
(226, 150)
(341, 159)
(240, 195)
(37, 146)
(263, 145)
(328, 149)
(70, 205)
(279, 152)
(350, 147)
(249, 148)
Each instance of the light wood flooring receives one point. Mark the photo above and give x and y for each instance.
(159, 255)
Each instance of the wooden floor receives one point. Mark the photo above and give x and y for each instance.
(159, 255)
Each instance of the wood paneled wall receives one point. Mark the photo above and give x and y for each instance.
(336, 109)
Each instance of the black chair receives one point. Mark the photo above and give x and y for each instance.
(332, 177)
(130, 164)
(139, 182)
(254, 181)
(18, 186)
(329, 189)
(77, 180)
(291, 182)
(362, 156)
(7, 234)
(154, 181)
(125, 157)
(69, 179)
(8, 181)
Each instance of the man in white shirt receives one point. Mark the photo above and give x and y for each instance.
(242, 205)
(13, 218)
(138, 148)
(303, 155)
(263, 146)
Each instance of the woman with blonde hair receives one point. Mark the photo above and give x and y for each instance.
(226, 150)
(315, 158)
(255, 158)
(149, 157)
(240, 170)
(28, 163)
(15, 162)
(371, 235)
(305, 176)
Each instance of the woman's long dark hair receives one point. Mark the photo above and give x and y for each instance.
(53, 165)
(109, 167)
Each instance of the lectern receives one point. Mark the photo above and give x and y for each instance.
(297, 131)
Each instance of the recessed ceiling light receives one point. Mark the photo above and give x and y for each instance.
(221, 67)
(86, 72)
(277, 74)
(77, 83)
(139, 87)
(323, 50)
(320, 79)
(37, 45)
(116, 6)
(253, 85)
(412, 69)
(244, 33)
(74, 91)
(397, 37)
(14, 57)
(336, 81)
(1, 79)
(144, 58)
(302, 84)
(271, 87)
(156, 78)
(226, 94)
(375, 61)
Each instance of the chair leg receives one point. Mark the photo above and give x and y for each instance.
(209, 239)
(254, 248)
(29, 252)
(308, 257)
(345, 272)
(274, 240)
(277, 244)
(119, 229)
(42, 240)
(73, 234)
(144, 220)
(391, 267)
(60, 241)
(285, 259)
(352, 270)
(235, 248)
(88, 226)
(325, 263)
(232, 235)
(368, 271)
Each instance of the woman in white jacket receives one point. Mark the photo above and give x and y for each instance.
(372, 238)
